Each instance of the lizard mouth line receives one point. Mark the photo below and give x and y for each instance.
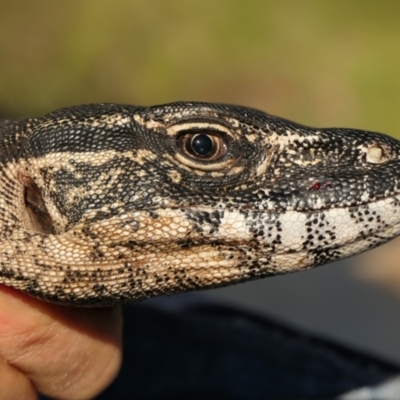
(283, 210)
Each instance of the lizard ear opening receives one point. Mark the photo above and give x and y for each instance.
(38, 215)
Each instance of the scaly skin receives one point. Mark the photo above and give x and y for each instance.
(107, 204)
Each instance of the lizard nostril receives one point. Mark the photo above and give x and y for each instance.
(375, 154)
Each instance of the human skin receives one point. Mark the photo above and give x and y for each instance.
(62, 352)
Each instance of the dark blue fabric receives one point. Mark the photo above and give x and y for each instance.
(214, 352)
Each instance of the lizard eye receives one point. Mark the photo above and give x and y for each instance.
(205, 146)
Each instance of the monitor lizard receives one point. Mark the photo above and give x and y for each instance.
(106, 204)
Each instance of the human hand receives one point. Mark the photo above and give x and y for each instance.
(62, 352)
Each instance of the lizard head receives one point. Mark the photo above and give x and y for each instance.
(130, 202)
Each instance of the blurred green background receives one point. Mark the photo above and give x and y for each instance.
(322, 63)
(318, 62)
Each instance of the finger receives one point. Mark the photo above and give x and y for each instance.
(66, 352)
(14, 384)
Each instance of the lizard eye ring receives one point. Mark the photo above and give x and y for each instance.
(203, 145)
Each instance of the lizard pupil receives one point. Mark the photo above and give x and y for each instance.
(202, 145)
